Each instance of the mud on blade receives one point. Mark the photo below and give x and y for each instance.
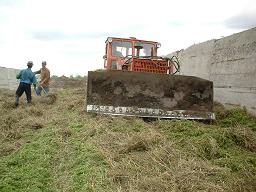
(149, 95)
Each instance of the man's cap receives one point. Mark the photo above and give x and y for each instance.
(30, 63)
(44, 62)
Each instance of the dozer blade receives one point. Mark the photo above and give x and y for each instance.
(149, 95)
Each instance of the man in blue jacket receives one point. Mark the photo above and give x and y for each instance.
(27, 77)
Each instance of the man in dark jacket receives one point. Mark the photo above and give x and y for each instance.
(27, 77)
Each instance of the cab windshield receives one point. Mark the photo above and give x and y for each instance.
(146, 50)
(121, 48)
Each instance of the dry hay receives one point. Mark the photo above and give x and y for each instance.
(166, 169)
(35, 125)
(135, 144)
(243, 137)
(16, 120)
(35, 111)
(7, 99)
(120, 177)
(8, 148)
(49, 99)
(148, 161)
(65, 132)
(9, 121)
(6, 93)
(91, 132)
(74, 104)
(8, 105)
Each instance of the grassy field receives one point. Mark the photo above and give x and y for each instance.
(54, 145)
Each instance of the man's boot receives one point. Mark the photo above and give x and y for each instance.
(17, 101)
(29, 102)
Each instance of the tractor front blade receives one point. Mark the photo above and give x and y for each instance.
(145, 94)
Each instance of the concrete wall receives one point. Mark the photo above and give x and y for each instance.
(230, 63)
(8, 78)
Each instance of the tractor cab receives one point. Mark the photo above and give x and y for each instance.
(120, 50)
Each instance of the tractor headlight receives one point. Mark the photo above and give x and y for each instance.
(158, 45)
(109, 39)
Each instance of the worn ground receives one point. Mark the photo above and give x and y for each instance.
(54, 145)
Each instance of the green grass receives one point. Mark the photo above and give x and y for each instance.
(234, 117)
(29, 168)
(33, 166)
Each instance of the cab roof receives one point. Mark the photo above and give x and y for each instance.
(129, 39)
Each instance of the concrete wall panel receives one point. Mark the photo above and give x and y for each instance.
(8, 78)
(230, 63)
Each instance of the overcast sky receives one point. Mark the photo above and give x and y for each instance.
(70, 34)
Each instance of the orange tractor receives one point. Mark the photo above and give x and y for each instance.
(137, 55)
(137, 82)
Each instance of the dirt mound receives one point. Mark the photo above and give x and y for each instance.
(66, 82)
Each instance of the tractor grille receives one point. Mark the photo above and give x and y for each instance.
(150, 65)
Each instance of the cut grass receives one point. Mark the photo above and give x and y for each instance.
(234, 117)
(54, 156)
(54, 145)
